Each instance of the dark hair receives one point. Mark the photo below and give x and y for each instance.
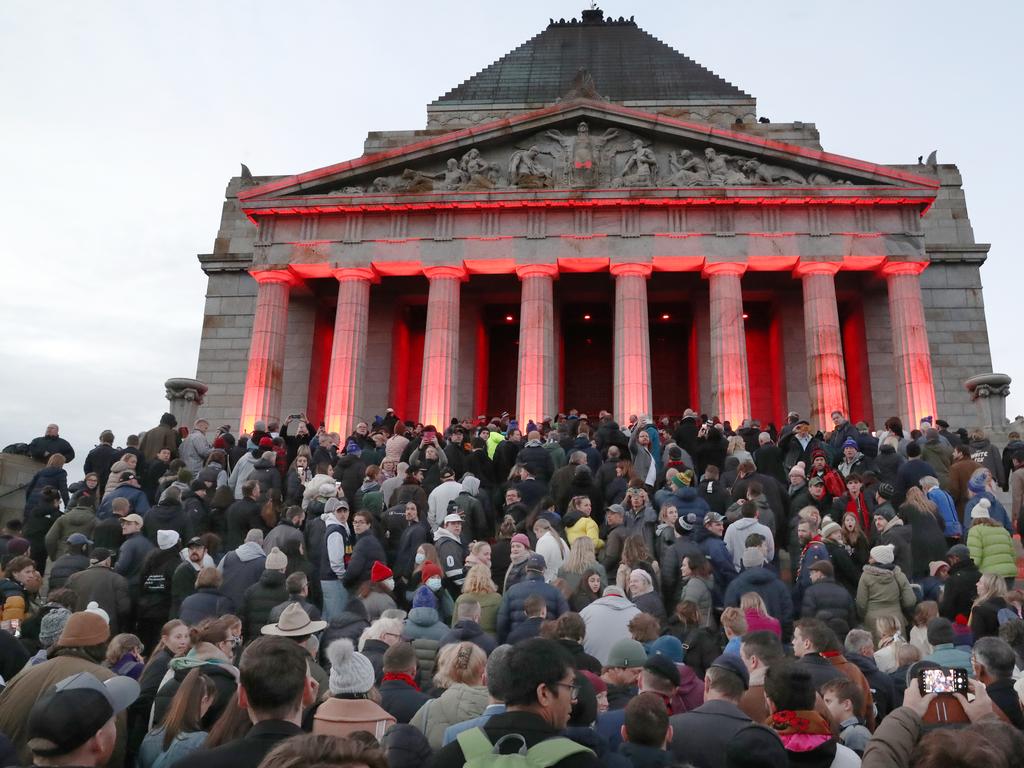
(789, 686)
(233, 724)
(19, 563)
(497, 670)
(748, 508)
(699, 564)
(273, 673)
(845, 690)
(533, 605)
(296, 582)
(688, 613)
(764, 644)
(64, 596)
(817, 632)
(367, 516)
(646, 720)
(572, 627)
(957, 748)
(399, 657)
(209, 577)
(940, 630)
(184, 715)
(754, 487)
(320, 750)
(537, 662)
(913, 450)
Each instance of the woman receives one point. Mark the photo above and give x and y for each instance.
(991, 547)
(690, 626)
(581, 559)
(551, 547)
(124, 656)
(665, 533)
(216, 468)
(481, 588)
(889, 643)
(635, 554)
(38, 521)
(355, 703)
(697, 584)
(736, 446)
(578, 521)
(641, 518)
(479, 554)
(927, 542)
(588, 590)
(889, 459)
(174, 642)
(501, 552)
(519, 552)
(461, 676)
(979, 489)
(181, 731)
(615, 490)
(847, 572)
(53, 476)
(88, 487)
(926, 611)
(377, 594)
(425, 553)
(295, 482)
(857, 544)
(991, 600)
(19, 589)
(644, 596)
(757, 616)
(883, 590)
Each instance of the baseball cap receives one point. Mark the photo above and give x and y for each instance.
(627, 654)
(74, 710)
(77, 539)
(815, 481)
(664, 667)
(132, 518)
(195, 541)
(536, 562)
(713, 517)
(734, 664)
(99, 555)
(452, 518)
(126, 476)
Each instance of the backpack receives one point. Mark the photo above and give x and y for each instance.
(480, 753)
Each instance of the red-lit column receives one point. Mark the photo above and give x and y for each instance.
(263, 378)
(826, 372)
(536, 391)
(632, 383)
(348, 351)
(911, 355)
(730, 389)
(441, 345)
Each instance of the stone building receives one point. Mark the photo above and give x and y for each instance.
(594, 221)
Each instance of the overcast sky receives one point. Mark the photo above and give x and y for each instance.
(122, 122)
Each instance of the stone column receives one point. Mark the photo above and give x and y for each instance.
(185, 396)
(911, 356)
(537, 381)
(441, 346)
(263, 379)
(826, 371)
(988, 393)
(730, 389)
(632, 387)
(348, 350)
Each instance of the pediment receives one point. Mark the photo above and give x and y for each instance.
(586, 145)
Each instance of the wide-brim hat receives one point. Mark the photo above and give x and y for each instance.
(294, 622)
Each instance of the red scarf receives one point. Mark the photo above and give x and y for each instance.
(400, 676)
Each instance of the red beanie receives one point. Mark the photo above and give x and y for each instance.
(379, 572)
(266, 442)
(429, 570)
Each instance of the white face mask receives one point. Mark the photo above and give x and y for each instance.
(420, 558)
(434, 583)
(389, 584)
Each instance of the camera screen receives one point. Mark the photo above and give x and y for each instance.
(943, 681)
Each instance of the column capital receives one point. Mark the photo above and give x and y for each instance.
(805, 268)
(355, 273)
(724, 268)
(636, 270)
(891, 268)
(537, 270)
(285, 276)
(450, 272)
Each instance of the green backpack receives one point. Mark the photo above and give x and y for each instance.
(480, 753)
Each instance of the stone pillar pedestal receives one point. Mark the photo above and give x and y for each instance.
(911, 357)
(348, 350)
(185, 396)
(730, 389)
(441, 346)
(632, 382)
(262, 398)
(537, 380)
(988, 393)
(826, 371)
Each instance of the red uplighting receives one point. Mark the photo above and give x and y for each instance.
(665, 317)
(509, 318)
(586, 317)
(746, 316)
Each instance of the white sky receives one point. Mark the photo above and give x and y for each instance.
(121, 123)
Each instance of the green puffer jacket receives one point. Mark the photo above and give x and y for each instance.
(992, 549)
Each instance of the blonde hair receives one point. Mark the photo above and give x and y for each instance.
(734, 620)
(926, 611)
(990, 585)
(663, 512)
(735, 443)
(581, 555)
(460, 663)
(752, 601)
(120, 645)
(917, 499)
(479, 580)
(888, 626)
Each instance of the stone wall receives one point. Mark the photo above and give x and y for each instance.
(224, 348)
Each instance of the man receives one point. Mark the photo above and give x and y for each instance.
(263, 596)
(42, 448)
(366, 551)
(242, 567)
(860, 651)
(614, 534)
(399, 694)
(824, 599)
(960, 472)
(842, 430)
(910, 473)
(766, 491)
(479, 522)
(535, 458)
(768, 458)
(275, 687)
(944, 653)
(75, 723)
(993, 663)
(297, 585)
(539, 700)
(168, 515)
(607, 621)
(164, 435)
(561, 480)
(812, 550)
(246, 464)
(531, 489)
(810, 638)
(646, 732)
(336, 544)
(498, 676)
(961, 587)
(467, 626)
(107, 533)
(196, 447)
(99, 583)
(622, 671)
(659, 675)
(243, 515)
(128, 489)
(101, 458)
(702, 735)
(133, 551)
(536, 611)
(440, 498)
(748, 523)
(512, 611)
(844, 701)
(758, 651)
(1016, 483)
(451, 551)
(197, 511)
(853, 462)
(709, 537)
(756, 577)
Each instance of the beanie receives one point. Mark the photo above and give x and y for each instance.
(883, 553)
(424, 598)
(829, 528)
(351, 672)
(429, 570)
(380, 572)
(52, 625)
(980, 511)
(276, 560)
(669, 645)
(94, 607)
(849, 443)
(798, 470)
(83, 629)
(978, 481)
(521, 538)
(167, 539)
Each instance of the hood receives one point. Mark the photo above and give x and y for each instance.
(758, 575)
(881, 570)
(687, 493)
(249, 551)
(980, 445)
(264, 464)
(443, 533)
(271, 578)
(688, 680)
(744, 523)
(533, 444)
(471, 484)
(424, 616)
(614, 603)
(466, 630)
(701, 534)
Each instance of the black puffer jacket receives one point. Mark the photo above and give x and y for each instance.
(960, 591)
(828, 600)
(64, 567)
(259, 600)
(167, 517)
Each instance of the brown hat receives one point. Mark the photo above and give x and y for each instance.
(83, 628)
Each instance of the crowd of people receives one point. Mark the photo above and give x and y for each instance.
(571, 593)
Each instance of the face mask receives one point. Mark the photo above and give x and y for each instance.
(389, 584)
(420, 558)
(434, 583)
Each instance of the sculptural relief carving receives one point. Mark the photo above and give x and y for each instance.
(526, 171)
(641, 168)
(582, 153)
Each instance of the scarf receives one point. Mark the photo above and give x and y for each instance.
(801, 730)
(401, 677)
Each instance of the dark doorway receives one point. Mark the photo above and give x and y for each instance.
(502, 324)
(670, 333)
(587, 349)
(855, 360)
(407, 360)
(765, 366)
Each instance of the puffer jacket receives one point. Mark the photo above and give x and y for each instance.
(167, 517)
(992, 550)
(457, 704)
(828, 600)
(699, 591)
(884, 591)
(424, 622)
(75, 520)
(426, 649)
(65, 567)
(259, 600)
(768, 585)
(513, 612)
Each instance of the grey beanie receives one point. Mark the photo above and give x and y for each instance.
(52, 625)
(351, 672)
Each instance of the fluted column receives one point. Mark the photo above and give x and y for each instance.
(632, 381)
(730, 388)
(826, 371)
(262, 398)
(537, 382)
(441, 346)
(348, 350)
(911, 355)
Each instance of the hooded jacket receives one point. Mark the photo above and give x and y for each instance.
(737, 533)
(513, 604)
(987, 455)
(260, 599)
(457, 704)
(768, 585)
(211, 661)
(607, 621)
(884, 591)
(75, 520)
(167, 517)
(241, 568)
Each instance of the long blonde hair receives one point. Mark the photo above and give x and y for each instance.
(479, 580)
(751, 601)
(917, 499)
(990, 585)
(581, 555)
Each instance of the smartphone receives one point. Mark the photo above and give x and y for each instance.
(943, 681)
(429, 436)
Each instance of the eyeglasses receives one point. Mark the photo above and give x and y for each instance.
(573, 689)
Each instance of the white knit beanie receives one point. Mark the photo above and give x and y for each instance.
(884, 554)
(351, 672)
(980, 511)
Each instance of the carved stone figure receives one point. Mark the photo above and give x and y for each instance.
(479, 173)
(719, 171)
(525, 169)
(687, 170)
(771, 174)
(641, 168)
(582, 154)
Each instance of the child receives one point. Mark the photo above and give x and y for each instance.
(735, 625)
(843, 699)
